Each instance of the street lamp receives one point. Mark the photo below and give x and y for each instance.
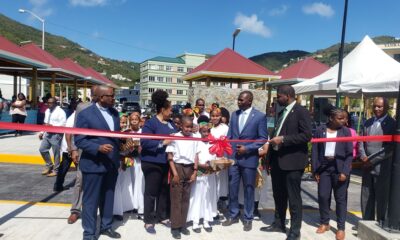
(235, 33)
(42, 20)
(37, 17)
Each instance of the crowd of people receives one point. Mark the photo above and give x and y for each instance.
(170, 182)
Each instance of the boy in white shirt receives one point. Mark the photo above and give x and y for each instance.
(183, 160)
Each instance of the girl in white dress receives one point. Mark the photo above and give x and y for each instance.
(137, 177)
(123, 195)
(220, 129)
(203, 195)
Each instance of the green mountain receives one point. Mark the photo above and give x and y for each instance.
(61, 47)
(275, 61)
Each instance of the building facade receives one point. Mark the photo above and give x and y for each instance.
(166, 73)
(125, 94)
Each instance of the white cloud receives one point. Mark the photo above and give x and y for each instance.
(40, 8)
(322, 9)
(252, 24)
(88, 3)
(278, 11)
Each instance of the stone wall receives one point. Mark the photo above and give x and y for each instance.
(226, 97)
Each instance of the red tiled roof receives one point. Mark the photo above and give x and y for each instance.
(229, 61)
(306, 68)
(43, 55)
(74, 67)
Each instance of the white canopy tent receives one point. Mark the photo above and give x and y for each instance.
(367, 69)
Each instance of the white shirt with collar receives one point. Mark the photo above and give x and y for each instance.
(105, 112)
(56, 118)
(246, 115)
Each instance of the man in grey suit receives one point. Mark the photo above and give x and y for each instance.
(375, 180)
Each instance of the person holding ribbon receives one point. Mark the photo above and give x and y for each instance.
(288, 158)
(203, 195)
(331, 166)
(154, 163)
(375, 180)
(247, 123)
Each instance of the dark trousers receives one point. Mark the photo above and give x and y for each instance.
(248, 175)
(180, 196)
(156, 192)
(18, 118)
(328, 182)
(286, 185)
(62, 171)
(98, 193)
(375, 194)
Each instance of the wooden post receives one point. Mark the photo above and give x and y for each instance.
(269, 100)
(15, 85)
(52, 85)
(346, 103)
(84, 91)
(208, 82)
(66, 92)
(311, 107)
(298, 99)
(34, 88)
(61, 88)
(190, 83)
(76, 89)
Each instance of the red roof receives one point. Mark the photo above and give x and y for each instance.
(74, 67)
(42, 55)
(306, 68)
(229, 61)
(100, 76)
(12, 48)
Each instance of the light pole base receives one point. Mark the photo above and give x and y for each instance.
(370, 230)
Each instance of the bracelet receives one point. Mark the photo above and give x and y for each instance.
(195, 169)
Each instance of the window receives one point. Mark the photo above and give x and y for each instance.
(168, 79)
(223, 84)
(152, 66)
(161, 67)
(179, 92)
(144, 78)
(151, 90)
(152, 78)
(180, 69)
(160, 79)
(179, 81)
(169, 91)
(215, 83)
(189, 70)
(169, 68)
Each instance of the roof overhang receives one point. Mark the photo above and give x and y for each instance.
(281, 82)
(243, 76)
(22, 61)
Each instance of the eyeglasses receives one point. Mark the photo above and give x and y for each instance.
(106, 95)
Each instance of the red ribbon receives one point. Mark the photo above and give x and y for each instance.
(221, 143)
(219, 146)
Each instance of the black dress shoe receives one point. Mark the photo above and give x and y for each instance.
(230, 221)
(118, 217)
(208, 229)
(247, 226)
(176, 233)
(197, 230)
(185, 231)
(274, 228)
(110, 233)
(293, 236)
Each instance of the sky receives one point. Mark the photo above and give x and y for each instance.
(138, 30)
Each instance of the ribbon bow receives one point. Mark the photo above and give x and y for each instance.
(219, 146)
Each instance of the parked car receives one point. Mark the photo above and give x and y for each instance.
(129, 107)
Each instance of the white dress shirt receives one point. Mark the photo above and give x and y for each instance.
(70, 123)
(56, 117)
(330, 146)
(245, 117)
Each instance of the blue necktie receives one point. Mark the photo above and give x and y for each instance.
(241, 121)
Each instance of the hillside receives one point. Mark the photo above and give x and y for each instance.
(62, 47)
(275, 61)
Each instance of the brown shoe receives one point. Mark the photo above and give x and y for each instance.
(340, 235)
(73, 218)
(323, 228)
(52, 174)
(46, 171)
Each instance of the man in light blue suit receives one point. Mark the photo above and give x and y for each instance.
(99, 164)
(247, 123)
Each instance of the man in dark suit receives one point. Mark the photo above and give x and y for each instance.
(375, 180)
(288, 158)
(247, 123)
(99, 163)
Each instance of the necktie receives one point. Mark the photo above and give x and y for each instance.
(279, 122)
(241, 121)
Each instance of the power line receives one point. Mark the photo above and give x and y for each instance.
(108, 40)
